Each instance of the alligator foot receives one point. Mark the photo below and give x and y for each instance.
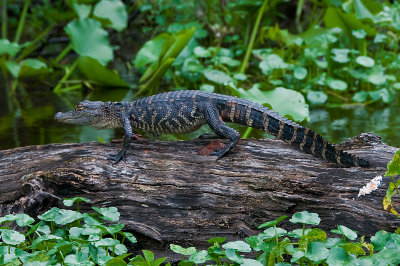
(117, 157)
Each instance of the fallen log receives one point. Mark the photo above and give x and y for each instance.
(166, 192)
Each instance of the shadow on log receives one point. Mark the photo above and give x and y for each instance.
(166, 192)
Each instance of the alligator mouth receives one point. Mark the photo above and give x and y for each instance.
(73, 118)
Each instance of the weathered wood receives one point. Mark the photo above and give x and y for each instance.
(166, 192)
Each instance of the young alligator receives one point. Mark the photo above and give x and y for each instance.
(186, 111)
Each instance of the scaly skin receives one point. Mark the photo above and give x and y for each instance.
(186, 111)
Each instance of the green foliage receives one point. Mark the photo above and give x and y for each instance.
(74, 238)
(65, 236)
(393, 170)
(86, 25)
(312, 247)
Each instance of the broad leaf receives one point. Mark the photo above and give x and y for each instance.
(88, 38)
(114, 11)
(99, 74)
(284, 101)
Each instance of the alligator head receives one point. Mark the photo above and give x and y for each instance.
(95, 114)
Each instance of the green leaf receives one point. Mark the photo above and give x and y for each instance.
(12, 237)
(83, 11)
(233, 256)
(120, 249)
(27, 68)
(305, 217)
(298, 233)
(11, 49)
(271, 232)
(41, 239)
(377, 78)
(381, 240)
(116, 262)
(150, 51)
(251, 262)
(338, 257)
(207, 87)
(316, 234)
(300, 73)
(129, 236)
(383, 94)
(242, 77)
(70, 201)
(317, 97)
(393, 167)
(337, 84)
(91, 230)
(273, 222)
(239, 245)
(334, 17)
(109, 214)
(284, 101)
(24, 219)
(217, 240)
(183, 251)
(345, 231)
(271, 62)
(60, 216)
(341, 55)
(201, 52)
(359, 34)
(106, 242)
(367, 9)
(200, 257)
(360, 96)
(226, 60)
(353, 249)
(316, 252)
(114, 11)
(75, 232)
(88, 38)
(365, 61)
(217, 76)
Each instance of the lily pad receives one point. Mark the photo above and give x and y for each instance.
(272, 62)
(284, 101)
(317, 97)
(365, 61)
(217, 76)
(114, 12)
(341, 55)
(202, 52)
(300, 73)
(337, 84)
(88, 38)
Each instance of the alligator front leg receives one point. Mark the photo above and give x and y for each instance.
(127, 140)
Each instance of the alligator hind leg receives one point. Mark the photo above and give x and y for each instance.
(216, 123)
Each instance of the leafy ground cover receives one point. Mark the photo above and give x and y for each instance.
(68, 237)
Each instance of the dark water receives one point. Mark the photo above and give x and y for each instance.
(33, 124)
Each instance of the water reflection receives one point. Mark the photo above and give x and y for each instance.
(33, 124)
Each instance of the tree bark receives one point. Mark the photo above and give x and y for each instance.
(166, 192)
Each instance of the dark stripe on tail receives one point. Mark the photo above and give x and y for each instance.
(310, 142)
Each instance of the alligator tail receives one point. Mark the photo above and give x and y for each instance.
(303, 138)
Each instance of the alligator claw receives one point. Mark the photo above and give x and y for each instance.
(117, 157)
(219, 153)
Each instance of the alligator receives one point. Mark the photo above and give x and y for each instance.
(186, 111)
